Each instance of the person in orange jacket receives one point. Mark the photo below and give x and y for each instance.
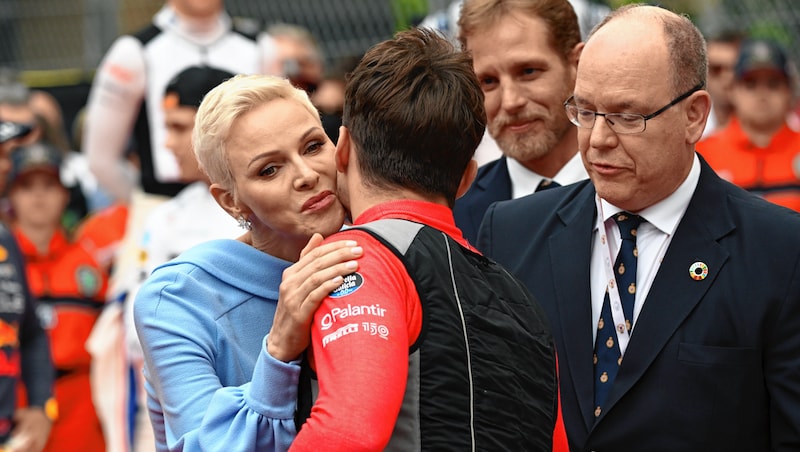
(69, 284)
(757, 150)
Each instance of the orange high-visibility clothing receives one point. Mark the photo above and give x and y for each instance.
(71, 287)
(772, 172)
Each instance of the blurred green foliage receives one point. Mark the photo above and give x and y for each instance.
(408, 13)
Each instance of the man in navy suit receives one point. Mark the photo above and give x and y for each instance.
(709, 356)
(525, 55)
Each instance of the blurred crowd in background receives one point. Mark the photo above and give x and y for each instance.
(50, 51)
(57, 44)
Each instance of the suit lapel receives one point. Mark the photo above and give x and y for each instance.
(570, 264)
(674, 293)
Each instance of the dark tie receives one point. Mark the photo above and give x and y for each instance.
(607, 356)
(545, 184)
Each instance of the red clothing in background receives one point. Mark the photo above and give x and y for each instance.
(772, 172)
(71, 287)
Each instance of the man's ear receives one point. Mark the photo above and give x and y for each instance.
(573, 58)
(697, 111)
(467, 178)
(343, 149)
(575, 54)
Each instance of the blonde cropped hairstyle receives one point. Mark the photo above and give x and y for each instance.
(223, 105)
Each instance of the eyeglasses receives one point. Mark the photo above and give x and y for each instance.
(619, 122)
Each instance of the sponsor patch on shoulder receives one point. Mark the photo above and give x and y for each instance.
(351, 283)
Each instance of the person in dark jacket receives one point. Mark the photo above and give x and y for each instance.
(24, 346)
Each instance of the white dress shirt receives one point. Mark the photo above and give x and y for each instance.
(652, 240)
(524, 181)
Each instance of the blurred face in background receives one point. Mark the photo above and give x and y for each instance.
(5, 163)
(38, 199)
(179, 122)
(299, 61)
(198, 9)
(762, 99)
(721, 61)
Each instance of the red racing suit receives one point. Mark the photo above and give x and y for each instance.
(429, 345)
(71, 287)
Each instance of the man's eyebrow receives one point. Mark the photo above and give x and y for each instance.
(617, 107)
(578, 99)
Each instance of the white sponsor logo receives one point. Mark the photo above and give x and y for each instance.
(349, 311)
(372, 328)
(376, 329)
(343, 331)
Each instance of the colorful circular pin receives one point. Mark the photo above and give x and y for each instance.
(698, 271)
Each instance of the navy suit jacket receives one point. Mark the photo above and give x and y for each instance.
(491, 184)
(713, 364)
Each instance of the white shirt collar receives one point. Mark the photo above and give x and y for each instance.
(667, 213)
(524, 181)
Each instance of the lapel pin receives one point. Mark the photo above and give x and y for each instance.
(698, 271)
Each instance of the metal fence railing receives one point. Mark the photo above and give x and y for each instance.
(777, 19)
(47, 35)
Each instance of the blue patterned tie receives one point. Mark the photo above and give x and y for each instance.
(607, 356)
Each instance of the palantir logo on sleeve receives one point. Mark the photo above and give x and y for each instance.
(341, 320)
(348, 311)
